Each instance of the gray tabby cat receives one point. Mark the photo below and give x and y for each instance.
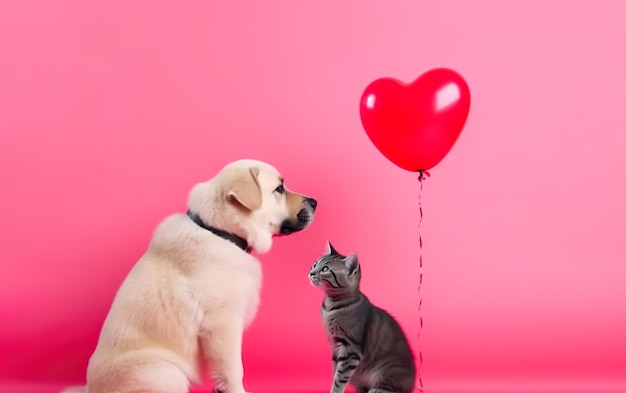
(370, 350)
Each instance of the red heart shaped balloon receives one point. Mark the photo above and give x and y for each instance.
(415, 125)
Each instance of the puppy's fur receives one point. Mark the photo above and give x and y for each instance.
(188, 299)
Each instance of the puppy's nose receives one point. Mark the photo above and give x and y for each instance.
(312, 202)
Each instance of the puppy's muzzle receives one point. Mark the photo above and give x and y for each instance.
(302, 220)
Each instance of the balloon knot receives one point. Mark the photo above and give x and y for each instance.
(423, 175)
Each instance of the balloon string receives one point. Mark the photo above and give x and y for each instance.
(422, 176)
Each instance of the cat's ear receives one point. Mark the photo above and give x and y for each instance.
(352, 263)
(330, 250)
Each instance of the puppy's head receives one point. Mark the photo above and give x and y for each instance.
(249, 199)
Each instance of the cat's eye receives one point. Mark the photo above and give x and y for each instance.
(280, 189)
(324, 269)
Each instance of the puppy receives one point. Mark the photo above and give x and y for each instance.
(186, 302)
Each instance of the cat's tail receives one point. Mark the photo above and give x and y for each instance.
(76, 389)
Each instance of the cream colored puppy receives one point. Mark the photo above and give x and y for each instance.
(187, 301)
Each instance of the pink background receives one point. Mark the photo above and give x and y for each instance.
(111, 110)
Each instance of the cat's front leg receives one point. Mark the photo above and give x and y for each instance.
(346, 364)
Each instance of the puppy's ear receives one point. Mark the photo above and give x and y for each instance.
(245, 189)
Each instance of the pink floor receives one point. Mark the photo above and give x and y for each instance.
(278, 387)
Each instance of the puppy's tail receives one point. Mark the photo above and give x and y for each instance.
(76, 389)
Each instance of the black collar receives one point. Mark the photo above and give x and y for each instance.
(239, 242)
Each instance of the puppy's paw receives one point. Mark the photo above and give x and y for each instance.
(220, 389)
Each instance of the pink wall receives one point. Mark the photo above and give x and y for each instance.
(110, 111)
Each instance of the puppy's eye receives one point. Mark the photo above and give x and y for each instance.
(280, 189)
(325, 269)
